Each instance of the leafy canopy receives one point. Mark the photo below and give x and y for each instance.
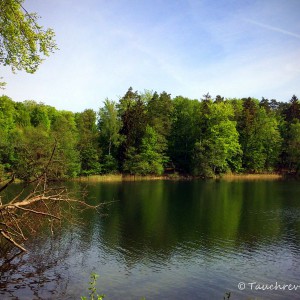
(23, 42)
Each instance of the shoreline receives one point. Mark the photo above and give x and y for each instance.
(225, 177)
(169, 177)
(262, 176)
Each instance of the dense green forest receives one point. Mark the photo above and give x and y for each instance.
(151, 134)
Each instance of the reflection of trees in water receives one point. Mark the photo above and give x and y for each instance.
(41, 273)
(152, 223)
(155, 226)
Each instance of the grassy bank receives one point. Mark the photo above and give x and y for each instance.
(117, 178)
(121, 177)
(266, 176)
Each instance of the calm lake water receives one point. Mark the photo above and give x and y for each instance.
(169, 240)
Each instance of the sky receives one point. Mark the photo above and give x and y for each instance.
(230, 48)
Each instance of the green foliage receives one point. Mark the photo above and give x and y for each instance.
(150, 160)
(259, 137)
(22, 115)
(23, 42)
(151, 134)
(33, 148)
(109, 165)
(109, 126)
(132, 112)
(26, 145)
(218, 149)
(93, 295)
(294, 147)
(184, 132)
(39, 116)
(64, 131)
(88, 142)
(7, 114)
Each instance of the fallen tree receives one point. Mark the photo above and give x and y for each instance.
(20, 215)
(37, 201)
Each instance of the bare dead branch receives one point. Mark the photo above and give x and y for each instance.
(42, 201)
(38, 212)
(49, 203)
(7, 184)
(12, 241)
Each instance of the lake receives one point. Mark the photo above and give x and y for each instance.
(169, 240)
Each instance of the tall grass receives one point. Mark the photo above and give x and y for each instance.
(270, 176)
(122, 177)
(117, 178)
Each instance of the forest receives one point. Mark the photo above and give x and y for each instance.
(151, 134)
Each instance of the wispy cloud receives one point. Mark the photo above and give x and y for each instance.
(273, 28)
(184, 47)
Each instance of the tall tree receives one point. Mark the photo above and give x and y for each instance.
(293, 147)
(159, 116)
(109, 126)
(149, 160)
(291, 116)
(259, 137)
(217, 150)
(184, 132)
(66, 157)
(88, 143)
(293, 110)
(33, 147)
(7, 124)
(132, 111)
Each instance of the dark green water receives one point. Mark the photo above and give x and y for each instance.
(169, 240)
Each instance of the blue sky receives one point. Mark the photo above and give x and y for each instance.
(232, 48)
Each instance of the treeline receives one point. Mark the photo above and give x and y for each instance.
(151, 134)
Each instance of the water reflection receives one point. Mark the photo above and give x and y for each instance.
(170, 239)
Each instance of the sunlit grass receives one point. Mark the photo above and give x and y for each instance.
(99, 178)
(118, 177)
(266, 176)
(122, 177)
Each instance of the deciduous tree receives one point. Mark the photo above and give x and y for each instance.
(23, 42)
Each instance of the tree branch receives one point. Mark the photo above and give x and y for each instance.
(38, 212)
(12, 241)
(7, 184)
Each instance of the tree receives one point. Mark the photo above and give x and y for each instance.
(150, 159)
(293, 110)
(67, 157)
(7, 124)
(32, 147)
(88, 142)
(159, 112)
(184, 132)
(259, 137)
(109, 126)
(219, 99)
(39, 116)
(132, 112)
(22, 115)
(217, 150)
(293, 148)
(23, 42)
(26, 211)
